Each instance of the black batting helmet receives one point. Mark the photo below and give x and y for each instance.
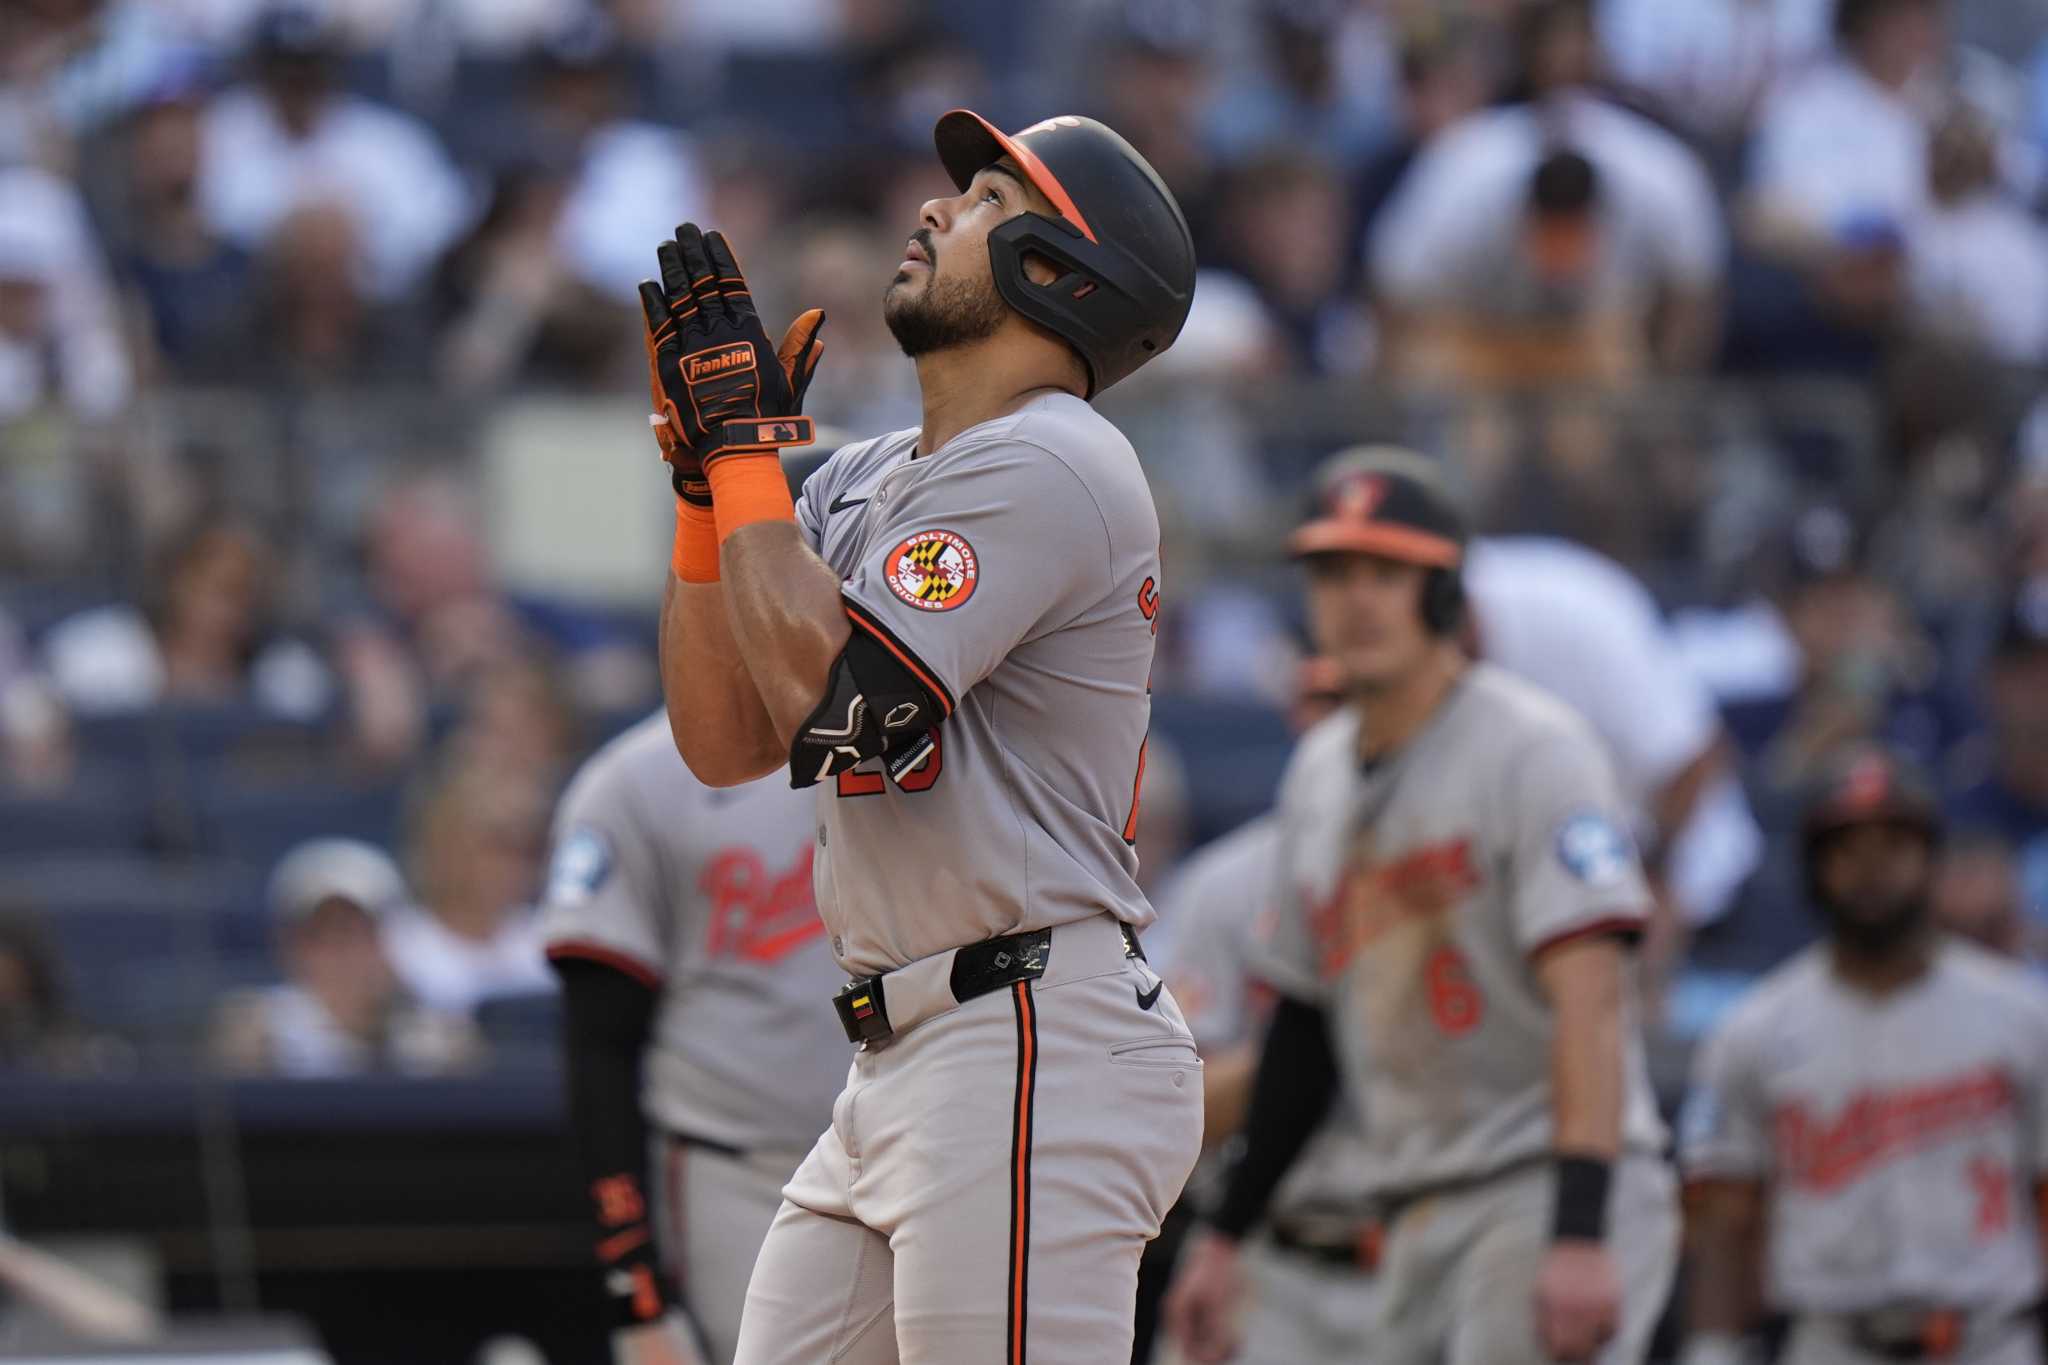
(1388, 501)
(1126, 259)
(1868, 784)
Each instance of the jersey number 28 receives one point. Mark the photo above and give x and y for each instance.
(855, 782)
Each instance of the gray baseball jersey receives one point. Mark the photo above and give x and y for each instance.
(1412, 900)
(1015, 571)
(705, 893)
(1207, 913)
(1901, 1137)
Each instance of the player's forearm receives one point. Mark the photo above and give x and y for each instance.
(1583, 980)
(714, 710)
(1291, 1095)
(788, 618)
(1723, 1224)
(1226, 1092)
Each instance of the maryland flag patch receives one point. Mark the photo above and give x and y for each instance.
(933, 571)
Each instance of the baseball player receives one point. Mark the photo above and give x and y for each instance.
(1311, 1272)
(1866, 1140)
(681, 922)
(950, 641)
(1448, 937)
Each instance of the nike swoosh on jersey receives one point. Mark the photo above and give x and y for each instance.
(841, 504)
(1146, 999)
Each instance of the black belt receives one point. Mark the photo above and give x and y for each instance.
(1359, 1252)
(976, 970)
(1914, 1332)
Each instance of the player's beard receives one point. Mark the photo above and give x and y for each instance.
(1876, 936)
(947, 312)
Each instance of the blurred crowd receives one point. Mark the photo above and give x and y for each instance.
(1730, 317)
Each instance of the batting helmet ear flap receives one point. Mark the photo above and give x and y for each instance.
(1443, 601)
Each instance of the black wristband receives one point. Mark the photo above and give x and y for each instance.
(1580, 1214)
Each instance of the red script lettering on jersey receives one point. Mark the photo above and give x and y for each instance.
(756, 915)
(1421, 884)
(1876, 1126)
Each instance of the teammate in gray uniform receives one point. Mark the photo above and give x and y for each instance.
(951, 640)
(681, 921)
(1866, 1140)
(1455, 894)
(1312, 1298)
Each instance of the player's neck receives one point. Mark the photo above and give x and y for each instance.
(1881, 973)
(1389, 717)
(964, 386)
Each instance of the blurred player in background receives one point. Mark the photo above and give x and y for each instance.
(682, 924)
(1867, 1138)
(1448, 934)
(1311, 1285)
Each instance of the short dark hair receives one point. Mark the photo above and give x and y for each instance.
(1854, 17)
(1564, 184)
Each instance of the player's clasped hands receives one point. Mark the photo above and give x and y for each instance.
(1578, 1300)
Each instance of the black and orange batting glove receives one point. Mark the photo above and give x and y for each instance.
(718, 387)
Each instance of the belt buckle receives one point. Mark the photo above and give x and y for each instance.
(1941, 1333)
(863, 1012)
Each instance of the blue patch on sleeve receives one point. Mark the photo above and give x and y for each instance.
(1595, 849)
(582, 862)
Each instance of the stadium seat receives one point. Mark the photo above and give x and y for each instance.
(517, 1025)
(1234, 753)
(143, 944)
(258, 822)
(98, 812)
(244, 737)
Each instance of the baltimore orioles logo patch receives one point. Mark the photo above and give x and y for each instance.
(933, 570)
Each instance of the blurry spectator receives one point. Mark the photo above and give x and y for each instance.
(2010, 800)
(428, 573)
(518, 719)
(1977, 896)
(1830, 658)
(1443, 79)
(628, 183)
(1561, 235)
(204, 633)
(60, 340)
(1977, 263)
(291, 138)
(192, 281)
(1152, 79)
(1318, 89)
(867, 387)
(310, 323)
(1582, 627)
(1286, 231)
(510, 311)
(68, 66)
(1842, 149)
(37, 1029)
(1706, 65)
(339, 1011)
(908, 77)
(476, 847)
